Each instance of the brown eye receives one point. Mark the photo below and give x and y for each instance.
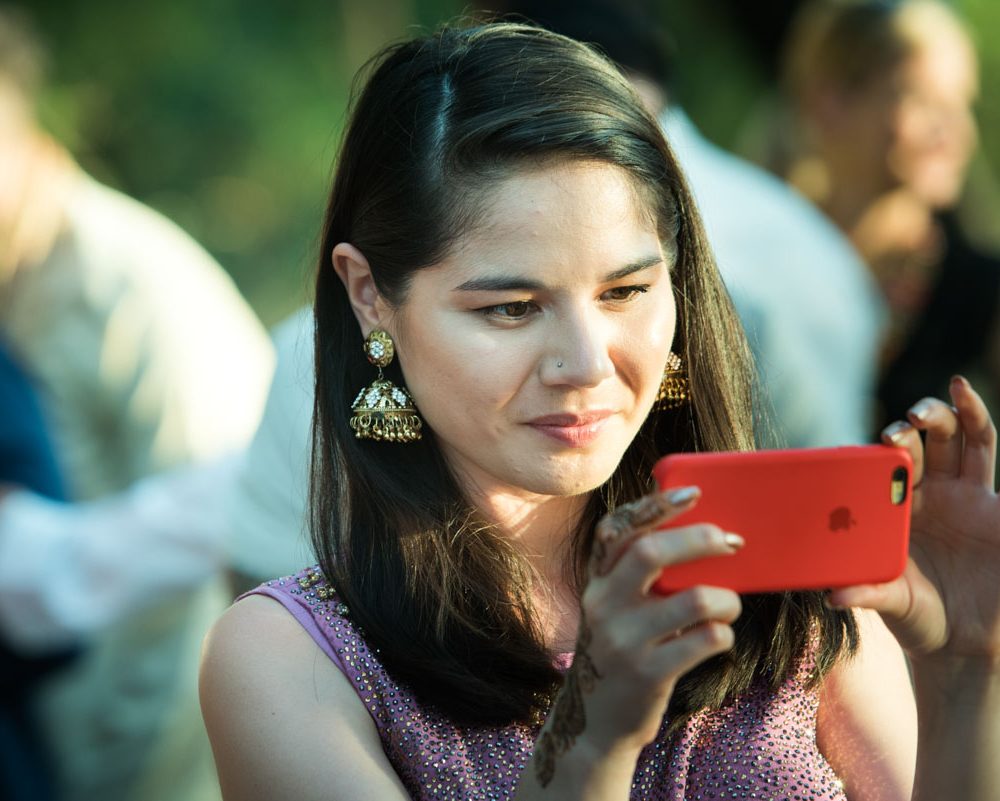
(510, 311)
(620, 293)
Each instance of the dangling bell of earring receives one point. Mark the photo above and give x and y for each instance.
(382, 411)
(674, 387)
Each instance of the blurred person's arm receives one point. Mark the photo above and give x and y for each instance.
(70, 570)
(148, 356)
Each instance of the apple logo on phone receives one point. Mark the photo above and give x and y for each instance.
(841, 520)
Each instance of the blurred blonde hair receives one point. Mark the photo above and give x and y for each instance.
(842, 45)
(845, 43)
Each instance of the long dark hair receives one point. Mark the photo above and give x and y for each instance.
(440, 593)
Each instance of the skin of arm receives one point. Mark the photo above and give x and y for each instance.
(282, 719)
(874, 760)
(958, 702)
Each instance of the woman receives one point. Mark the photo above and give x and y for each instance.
(883, 98)
(515, 250)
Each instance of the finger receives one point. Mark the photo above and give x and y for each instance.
(903, 435)
(979, 457)
(660, 618)
(688, 650)
(917, 629)
(645, 557)
(943, 442)
(893, 599)
(685, 610)
(618, 528)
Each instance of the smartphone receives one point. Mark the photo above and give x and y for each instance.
(812, 518)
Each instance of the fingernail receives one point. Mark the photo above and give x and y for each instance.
(920, 410)
(734, 541)
(681, 496)
(895, 431)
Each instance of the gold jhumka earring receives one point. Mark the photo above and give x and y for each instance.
(382, 411)
(675, 387)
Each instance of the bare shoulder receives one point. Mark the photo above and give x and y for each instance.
(250, 631)
(281, 716)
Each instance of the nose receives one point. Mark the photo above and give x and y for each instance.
(579, 351)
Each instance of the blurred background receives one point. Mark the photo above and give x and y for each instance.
(225, 115)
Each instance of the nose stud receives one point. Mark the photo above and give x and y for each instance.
(558, 364)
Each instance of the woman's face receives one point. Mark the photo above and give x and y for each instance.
(535, 350)
(933, 128)
(913, 127)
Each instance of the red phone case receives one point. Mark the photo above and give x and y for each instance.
(812, 519)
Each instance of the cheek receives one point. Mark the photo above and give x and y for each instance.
(459, 385)
(654, 331)
(932, 157)
(647, 340)
(873, 130)
(911, 134)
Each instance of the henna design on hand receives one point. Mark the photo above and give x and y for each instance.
(625, 521)
(568, 718)
(645, 511)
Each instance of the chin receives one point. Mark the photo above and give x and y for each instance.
(937, 189)
(563, 489)
(567, 482)
(942, 199)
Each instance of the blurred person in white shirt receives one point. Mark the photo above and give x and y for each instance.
(149, 365)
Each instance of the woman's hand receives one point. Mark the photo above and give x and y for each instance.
(634, 646)
(946, 605)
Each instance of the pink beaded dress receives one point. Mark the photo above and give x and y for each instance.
(761, 746)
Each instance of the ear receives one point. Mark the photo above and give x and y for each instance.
(352, 267)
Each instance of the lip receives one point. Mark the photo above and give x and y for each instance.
(574, 429)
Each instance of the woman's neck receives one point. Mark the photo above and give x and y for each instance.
(893, 224)
(846, 205)
(542, 529)
(879, 225)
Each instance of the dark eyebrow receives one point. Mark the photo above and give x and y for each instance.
(500, 283)
(512, 283)
(634, 267)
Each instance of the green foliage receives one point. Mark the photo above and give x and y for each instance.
(223, 115)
